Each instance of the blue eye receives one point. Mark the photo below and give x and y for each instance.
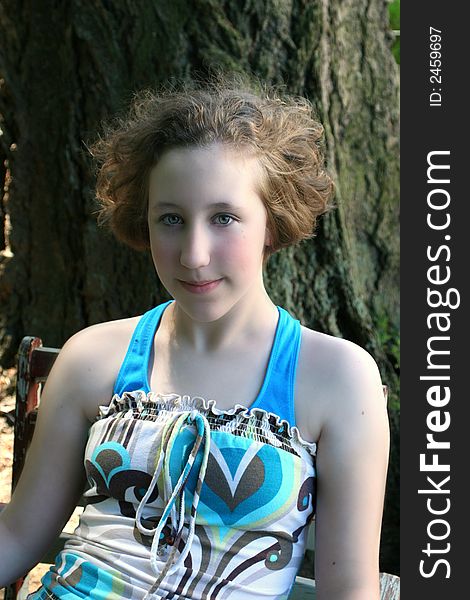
(170, 219)
(223, 219)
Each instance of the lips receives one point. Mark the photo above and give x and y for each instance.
(200, 287)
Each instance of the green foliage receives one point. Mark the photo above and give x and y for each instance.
(388, 337)
(394, 13)
(396, 49)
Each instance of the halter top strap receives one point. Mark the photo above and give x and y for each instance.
(277, 391)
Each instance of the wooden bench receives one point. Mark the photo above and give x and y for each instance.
(34, 364)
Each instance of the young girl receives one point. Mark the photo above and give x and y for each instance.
(213, 427)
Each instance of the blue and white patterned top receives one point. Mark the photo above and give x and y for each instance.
(188, 501)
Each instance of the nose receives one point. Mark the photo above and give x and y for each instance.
(195, 249)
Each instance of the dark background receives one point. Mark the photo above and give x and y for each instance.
(425, 129)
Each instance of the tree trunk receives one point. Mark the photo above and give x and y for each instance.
(66, 66)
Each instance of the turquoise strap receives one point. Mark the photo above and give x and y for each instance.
(133, 374)
(278, 390)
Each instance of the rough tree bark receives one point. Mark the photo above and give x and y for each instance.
(66, 66)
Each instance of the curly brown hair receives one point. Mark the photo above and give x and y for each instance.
(280, 130)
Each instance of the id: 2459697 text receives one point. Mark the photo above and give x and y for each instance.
(435, 62)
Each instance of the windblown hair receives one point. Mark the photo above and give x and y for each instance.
(279, 130)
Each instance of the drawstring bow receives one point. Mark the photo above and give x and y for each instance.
(173, 508)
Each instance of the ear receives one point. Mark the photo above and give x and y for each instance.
(268, 239)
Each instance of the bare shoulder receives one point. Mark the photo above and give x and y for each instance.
(89, 362)
(336, 380)
(352, 456)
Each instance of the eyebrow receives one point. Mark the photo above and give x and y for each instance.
(219, 205)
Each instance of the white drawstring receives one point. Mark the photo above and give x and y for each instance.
(169, 435)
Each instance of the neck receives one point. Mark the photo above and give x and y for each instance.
(246, 320)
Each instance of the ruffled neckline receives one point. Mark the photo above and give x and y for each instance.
(139, 401)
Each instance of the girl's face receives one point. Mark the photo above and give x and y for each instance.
(208, 228)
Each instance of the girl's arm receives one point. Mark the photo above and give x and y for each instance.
(53, 477)
(352, 464)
